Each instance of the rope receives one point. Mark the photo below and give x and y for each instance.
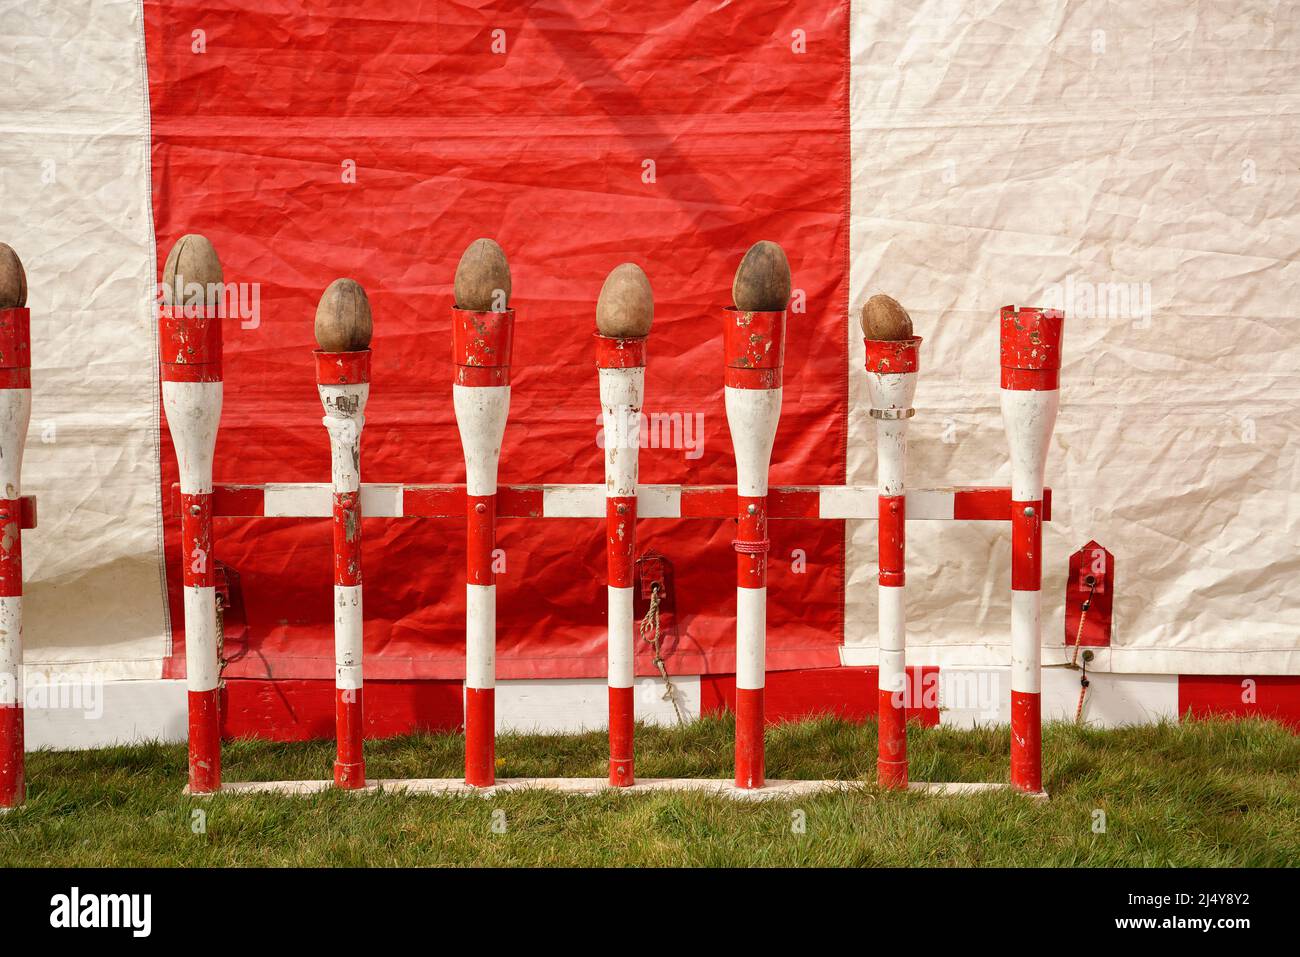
(649, 631)
(221, 642)
(1078, 639)
(753, 548)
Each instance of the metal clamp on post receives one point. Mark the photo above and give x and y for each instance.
(891, 414)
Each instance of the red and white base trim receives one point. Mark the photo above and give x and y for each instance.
(590, 787)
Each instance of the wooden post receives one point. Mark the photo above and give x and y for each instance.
(624, 313)
(15, 413)
(483, 335)
(1031, 364)
(343, 331)
(190, 331)
(892, 364)
(754, 337)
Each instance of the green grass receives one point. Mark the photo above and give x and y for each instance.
(1212, 793)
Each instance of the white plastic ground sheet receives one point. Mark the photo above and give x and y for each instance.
(1134, 163)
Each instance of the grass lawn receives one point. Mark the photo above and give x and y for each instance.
(1208, 793)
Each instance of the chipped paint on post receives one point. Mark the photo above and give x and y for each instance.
(755, 348)
(482, 343)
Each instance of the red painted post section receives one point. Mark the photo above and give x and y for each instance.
(15, 413)
(755, 357)
(1031, 363)
(481, 347)
(192, 392)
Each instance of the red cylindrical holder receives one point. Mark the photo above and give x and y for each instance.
(190, 343)
(482, 343)
(887, 356)
(613, 352)
(755, 348)
(1031, 347)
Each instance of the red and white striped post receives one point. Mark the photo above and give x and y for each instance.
(1031, 364)
(623, 316)
(190, 333)
(343, 328)
(15, 413)
(891, 381)
(755, 351)
(482, 341)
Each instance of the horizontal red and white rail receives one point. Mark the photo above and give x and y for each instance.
(970, 503)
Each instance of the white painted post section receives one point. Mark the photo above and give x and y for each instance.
(481, 413)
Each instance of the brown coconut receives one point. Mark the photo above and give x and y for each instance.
(483, 278)
(626, 305)
(343, 322)
(884, 319)
(13, 280)
(762, 281)
(192, 274)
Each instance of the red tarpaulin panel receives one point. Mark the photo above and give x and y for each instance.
(579, 138)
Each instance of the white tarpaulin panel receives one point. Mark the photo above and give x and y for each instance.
(74, 177)
(1134, 164)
